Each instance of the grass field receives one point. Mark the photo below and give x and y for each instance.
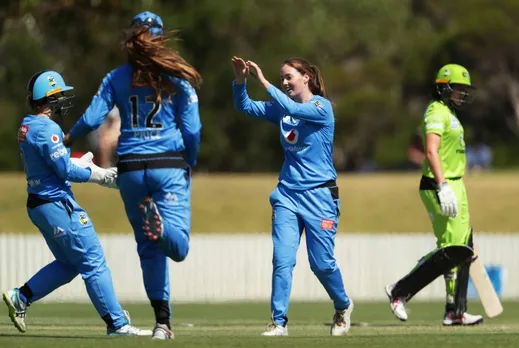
(239, 325)
(239, 203)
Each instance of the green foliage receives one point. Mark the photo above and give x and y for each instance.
(378, 58)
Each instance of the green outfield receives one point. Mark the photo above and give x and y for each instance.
(239, 203)
(239, 325)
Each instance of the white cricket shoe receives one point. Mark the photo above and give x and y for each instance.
(397, 304)
(128, 329)
(17, 308)
(274, 329)
(466, 319)
(342, 321)
(162, 332)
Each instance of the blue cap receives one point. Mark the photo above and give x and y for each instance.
(46, 83)
(150, 20)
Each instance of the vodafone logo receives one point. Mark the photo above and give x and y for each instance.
(292, 136)
(54, 138)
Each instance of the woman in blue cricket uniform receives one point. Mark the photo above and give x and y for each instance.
(158, 146)
(307, 196)
(51, 206)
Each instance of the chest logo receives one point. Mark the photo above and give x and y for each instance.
(291, 136)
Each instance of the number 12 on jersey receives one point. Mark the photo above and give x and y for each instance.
(148, 121)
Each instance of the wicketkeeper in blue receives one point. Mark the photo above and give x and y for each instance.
(51, 206)
(307, 196)
(158, 146)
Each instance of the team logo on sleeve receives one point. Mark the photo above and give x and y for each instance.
(54, 138)
(291, 137)
(22, 133)
(83, 219)
(318, 104)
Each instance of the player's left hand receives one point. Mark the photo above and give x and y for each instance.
(255, 71)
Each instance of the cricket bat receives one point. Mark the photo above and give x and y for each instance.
(487, 294)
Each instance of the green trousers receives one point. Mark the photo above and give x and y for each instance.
(449, 231)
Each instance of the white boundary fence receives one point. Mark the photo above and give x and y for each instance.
(238, 267)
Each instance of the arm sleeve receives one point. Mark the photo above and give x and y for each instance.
(56, 155)
(189, 117)
(267, 111)
(101, 105)
(313, 111)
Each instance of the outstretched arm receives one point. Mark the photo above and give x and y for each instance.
(257, 109)
(95, 114)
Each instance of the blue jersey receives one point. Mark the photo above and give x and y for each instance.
(146, 127)
(307, 131)
(46, 160)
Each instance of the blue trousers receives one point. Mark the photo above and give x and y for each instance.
(69, 233)
(170, 189)
(316, 211)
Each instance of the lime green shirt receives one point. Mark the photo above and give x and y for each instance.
(440, 119)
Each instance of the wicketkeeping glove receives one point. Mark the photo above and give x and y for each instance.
(101, 176)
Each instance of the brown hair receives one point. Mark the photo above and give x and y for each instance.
(153, 62)
(316, 82)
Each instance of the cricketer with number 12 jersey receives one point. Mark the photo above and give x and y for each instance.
(149, 127)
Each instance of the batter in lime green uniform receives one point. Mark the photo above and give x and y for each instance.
(440, 119)
(443, 192)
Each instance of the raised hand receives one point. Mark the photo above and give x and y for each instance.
(255, 71)
(240, 69)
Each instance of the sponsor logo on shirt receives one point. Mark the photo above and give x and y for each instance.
(54, 138)
(291, 136)
(62, 151)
